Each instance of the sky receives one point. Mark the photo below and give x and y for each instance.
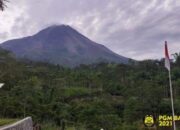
(133, 28)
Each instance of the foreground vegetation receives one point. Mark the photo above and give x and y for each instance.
(7, 121)
(109, 96)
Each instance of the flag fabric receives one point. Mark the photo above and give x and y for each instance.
(167, 60)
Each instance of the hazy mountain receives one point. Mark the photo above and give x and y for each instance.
(61, 44)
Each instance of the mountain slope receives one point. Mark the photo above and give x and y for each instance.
(61, 45)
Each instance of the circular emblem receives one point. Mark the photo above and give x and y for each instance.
(149, 121)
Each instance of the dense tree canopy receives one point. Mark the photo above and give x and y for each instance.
(89, 97)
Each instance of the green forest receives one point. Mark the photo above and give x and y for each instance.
(89, 97)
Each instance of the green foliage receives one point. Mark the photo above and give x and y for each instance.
(76, 92)
(6, 121)
(89, 97)
(177, 58)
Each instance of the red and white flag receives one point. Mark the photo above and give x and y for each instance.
(167, 60)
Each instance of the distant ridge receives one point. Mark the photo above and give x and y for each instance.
(63, 45)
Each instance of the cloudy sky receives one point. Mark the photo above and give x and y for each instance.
(132, 28)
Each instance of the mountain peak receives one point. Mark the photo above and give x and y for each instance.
(55, 30)
(56, 26)
(61, 44)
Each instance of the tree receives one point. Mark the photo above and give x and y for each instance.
(2, 4)
(177, 58)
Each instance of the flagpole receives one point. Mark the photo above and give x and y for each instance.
(168, 66)
(172, 102)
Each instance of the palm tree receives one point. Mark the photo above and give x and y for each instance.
(2, 5)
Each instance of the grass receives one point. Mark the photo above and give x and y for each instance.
(49, 126)
(5, 121)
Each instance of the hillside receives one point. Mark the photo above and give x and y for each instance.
(88, 97)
